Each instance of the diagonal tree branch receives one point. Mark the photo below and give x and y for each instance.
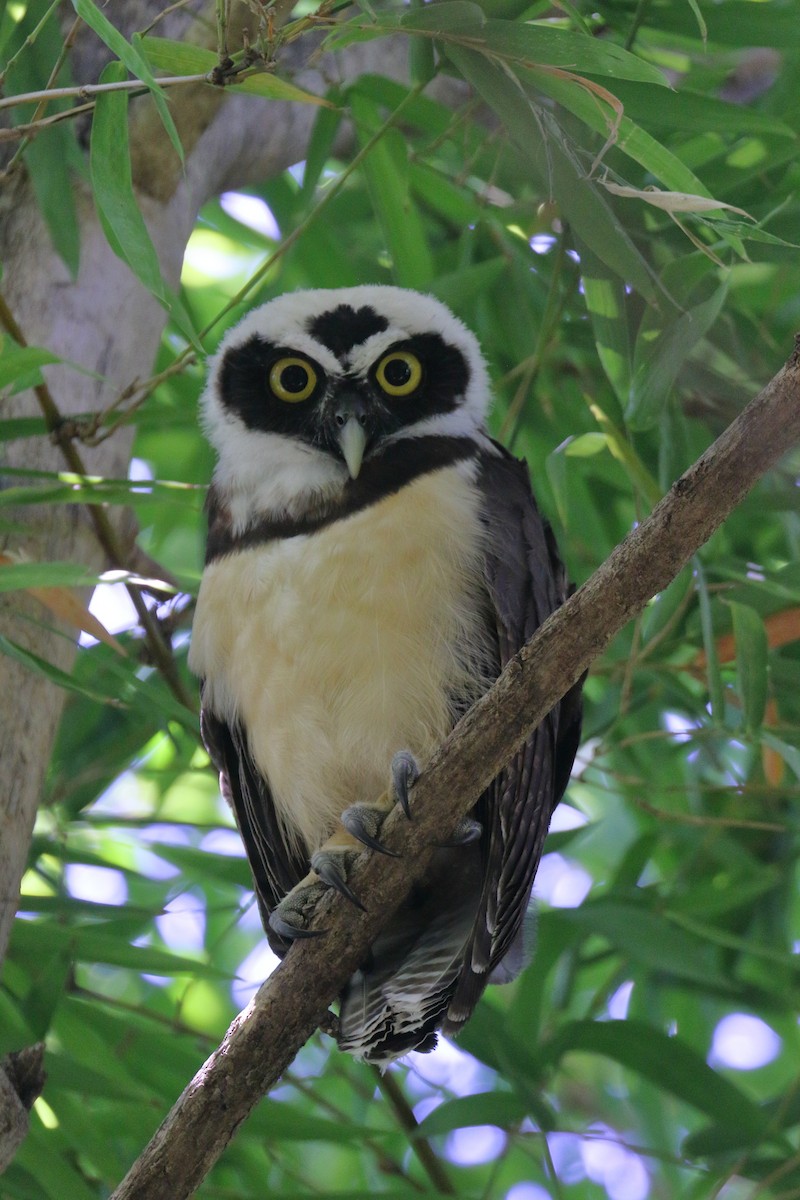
(265, 1037)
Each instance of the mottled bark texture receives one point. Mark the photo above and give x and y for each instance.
(263, 1039)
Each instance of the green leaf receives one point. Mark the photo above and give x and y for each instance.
(458, 289)
(90, 944)
(738, 23)
(52, 156)
(319, 148)
(528, 43)
(22, 427)
(630, 138)
(75, 489)
(133, 60)
(542, 144)
(51, 1170)
(18, 575)
(49, 158)
(112, 184)
(752, 661)
(177, 58)
(484, 1108)
(16, 361)
(182, 58)
(586, 445)
(15, 1029)
(60, 678)
(650, 940)
(661, 351)
(280, 1121)
(789, 754)
(715, 689)
(690, 110)
(669, 1063)
(386, 171)
(604, 292)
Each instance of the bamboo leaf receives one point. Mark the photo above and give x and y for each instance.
(484, 1108)
(112, 184)
(182, 58)
(541, 143)
(60, 678)
(133, 60)
(386, 172)
(669, 1063)
(661, 350)
(752, 662)
(18, 361)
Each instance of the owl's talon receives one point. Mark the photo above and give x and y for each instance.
(292, 917)
(363, 822)
(292, 933)
(405, 774)
(330, 865)
(465, 833)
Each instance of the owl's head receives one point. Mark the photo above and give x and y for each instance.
(328, 379)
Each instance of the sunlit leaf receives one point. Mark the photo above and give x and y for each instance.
(669, 1063)
(183, 58)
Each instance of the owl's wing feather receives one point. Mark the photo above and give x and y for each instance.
(526, 581)
(276, 864)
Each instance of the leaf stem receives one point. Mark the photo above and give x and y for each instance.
(432, 1165)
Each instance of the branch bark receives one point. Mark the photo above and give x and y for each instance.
(264, 1038)
(22, 1078)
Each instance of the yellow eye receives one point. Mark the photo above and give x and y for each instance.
(399, 373)
(292, 379)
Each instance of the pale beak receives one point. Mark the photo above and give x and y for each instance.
(352, 439)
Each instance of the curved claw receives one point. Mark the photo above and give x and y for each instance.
(292, 932)
(363, 822)
(330, 870)
(405, 774)
(465, 833)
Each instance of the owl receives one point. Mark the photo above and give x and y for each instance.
(373, 561)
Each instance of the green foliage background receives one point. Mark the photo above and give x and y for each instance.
(621, 336)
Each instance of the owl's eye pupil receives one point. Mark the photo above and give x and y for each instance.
(397, 372)
(294, 378)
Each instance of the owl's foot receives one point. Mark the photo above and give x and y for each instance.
(332, 865)
(360, 823)
(363, 821)
(405, 773)
(465, 833)
(292, 917)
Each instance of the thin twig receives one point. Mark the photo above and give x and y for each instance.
(430, 1163)
(84, 91)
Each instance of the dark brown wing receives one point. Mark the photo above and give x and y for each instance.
(526, 581)
(276, 865)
